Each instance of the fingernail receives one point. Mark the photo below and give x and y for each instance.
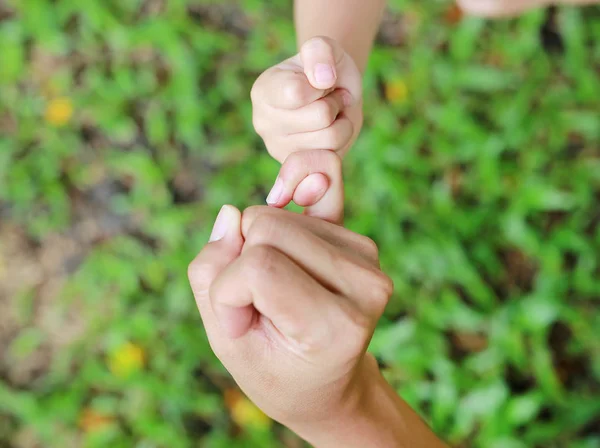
(221, 225)
(324, 73)
(275, 192)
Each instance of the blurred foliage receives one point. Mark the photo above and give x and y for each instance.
(477, 172)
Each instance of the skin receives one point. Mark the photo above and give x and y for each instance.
(289, 304)
(352, 23)
(326, 203)
(293, 111)
(507, 8)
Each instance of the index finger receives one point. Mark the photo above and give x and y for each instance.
(334, 234)
(266, 280)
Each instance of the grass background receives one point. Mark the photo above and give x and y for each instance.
(125, 125)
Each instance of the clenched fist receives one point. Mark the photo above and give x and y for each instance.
(310, 101)
(289, 303)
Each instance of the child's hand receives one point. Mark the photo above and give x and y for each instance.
(310, 101)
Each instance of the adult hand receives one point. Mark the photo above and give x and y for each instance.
(289, 304)
(310, 101)
(312, 179)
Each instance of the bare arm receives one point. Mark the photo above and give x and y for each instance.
(353, 23)
(379, 418)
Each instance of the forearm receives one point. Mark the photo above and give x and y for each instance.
(379, 418)
(353, 23)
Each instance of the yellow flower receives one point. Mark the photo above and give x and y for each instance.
(91, 420)
(244, 412)
(396, 91)
(126, 359)
(59, 111)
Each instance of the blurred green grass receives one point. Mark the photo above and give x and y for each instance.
(477, 173)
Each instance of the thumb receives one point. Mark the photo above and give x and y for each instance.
(319, 56)
(327, 66)
(224, 246)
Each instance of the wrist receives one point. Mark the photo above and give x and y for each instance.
(365, 417)
(353, 23)
(373, 415)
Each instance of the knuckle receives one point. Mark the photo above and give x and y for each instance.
(328, 160)
(263, 229)
(382, 288)
(200, 274)
(370, 247)
(260, 124)
(333, 160)
(253, 211)
(256, 92)
(295, 158)
(294, 93)
(254, 96)
(260, 263)
(325, 113)
(250, 215)
(294, 162)
(333, 138)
